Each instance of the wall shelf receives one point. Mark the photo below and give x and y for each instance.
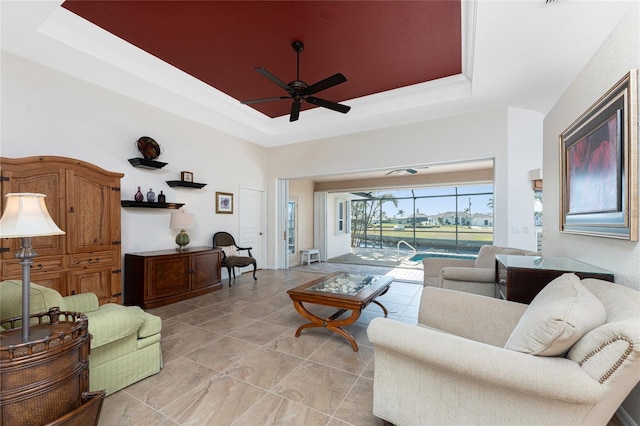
(182, 183)
(146, 163)
(148, 205)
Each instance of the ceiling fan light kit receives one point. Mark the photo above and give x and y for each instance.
(300, 91)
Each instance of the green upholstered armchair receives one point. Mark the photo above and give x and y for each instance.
(125, 344)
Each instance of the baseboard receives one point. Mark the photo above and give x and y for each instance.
(624, 418)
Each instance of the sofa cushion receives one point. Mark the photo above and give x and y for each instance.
(41, 298)
(229, 251)
(487, 255)
(557, 317)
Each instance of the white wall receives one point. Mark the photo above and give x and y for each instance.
(302, 190)
(524, 154)
(618, 54)
(479, 135)
(337, 243)
(47, 113)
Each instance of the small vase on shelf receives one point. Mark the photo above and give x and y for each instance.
(138, 197)
(161, 198)
(151, 196)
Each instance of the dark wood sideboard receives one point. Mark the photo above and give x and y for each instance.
(520, 278)
(157, 278)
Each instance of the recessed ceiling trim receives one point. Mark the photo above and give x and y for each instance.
(200, 102)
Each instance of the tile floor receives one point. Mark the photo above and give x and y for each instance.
(231, 358)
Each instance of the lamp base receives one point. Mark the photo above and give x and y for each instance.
(182, 239)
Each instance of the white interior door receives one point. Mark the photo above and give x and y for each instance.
(251, 221)
(292, 231)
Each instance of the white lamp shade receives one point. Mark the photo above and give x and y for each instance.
(182, 220)
(26, 215)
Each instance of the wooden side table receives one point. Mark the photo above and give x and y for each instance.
(520, 278)
(46, 379)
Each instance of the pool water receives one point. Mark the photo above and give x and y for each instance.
(419, 256)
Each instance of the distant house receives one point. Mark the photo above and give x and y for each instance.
(462, 219)
(481, 219)
(453, 218)
(429, 221)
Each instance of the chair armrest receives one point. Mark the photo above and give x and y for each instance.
(84, 302)
(245, 248)
(112, 322)
(480, 318)
(549, 377)
(480, 275)
(433, 265)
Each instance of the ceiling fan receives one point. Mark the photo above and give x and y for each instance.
(402, 172)
(300, 91)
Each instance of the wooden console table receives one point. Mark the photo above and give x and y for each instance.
(520, 278)
(157, 278)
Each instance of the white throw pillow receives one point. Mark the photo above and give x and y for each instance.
(557, 317)
(229, 251)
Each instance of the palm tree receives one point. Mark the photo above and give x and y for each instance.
(364, 212)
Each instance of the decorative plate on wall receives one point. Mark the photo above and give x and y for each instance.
(148, 147)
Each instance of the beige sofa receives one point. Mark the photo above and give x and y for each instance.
(472, 276)
(453, 368)
(125, 342)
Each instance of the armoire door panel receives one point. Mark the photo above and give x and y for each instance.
(44, 180)
(88, 210)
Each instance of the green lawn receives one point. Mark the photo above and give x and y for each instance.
(443, 232)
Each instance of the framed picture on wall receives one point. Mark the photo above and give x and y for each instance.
(600, 166)
(224, 202)
(186, 176)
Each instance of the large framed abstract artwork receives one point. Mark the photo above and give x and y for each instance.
(600, 166)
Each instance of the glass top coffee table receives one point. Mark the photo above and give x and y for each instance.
(347, 292)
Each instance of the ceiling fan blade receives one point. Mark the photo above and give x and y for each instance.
(274, 79)
(325, 84)
(295, 111)
(256, 101)
(328, 104)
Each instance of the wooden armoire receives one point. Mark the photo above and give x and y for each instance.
(84, 201)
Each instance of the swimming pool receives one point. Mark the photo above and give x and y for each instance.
(419, 256)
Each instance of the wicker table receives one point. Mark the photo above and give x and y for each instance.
(45, 380)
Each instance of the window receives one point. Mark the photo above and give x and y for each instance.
(342, 213)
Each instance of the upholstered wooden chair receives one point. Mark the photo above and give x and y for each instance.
(230, 257)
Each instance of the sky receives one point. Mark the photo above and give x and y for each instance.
(440, 200)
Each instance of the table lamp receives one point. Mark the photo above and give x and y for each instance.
(182, 221)
(25, 216)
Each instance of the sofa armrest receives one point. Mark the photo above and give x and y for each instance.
(113, 322)
(480, 318)
(84, 302)
(550, 377)
(433, 265)
(480, 275)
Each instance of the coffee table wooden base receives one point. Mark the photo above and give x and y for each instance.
(332, 323)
